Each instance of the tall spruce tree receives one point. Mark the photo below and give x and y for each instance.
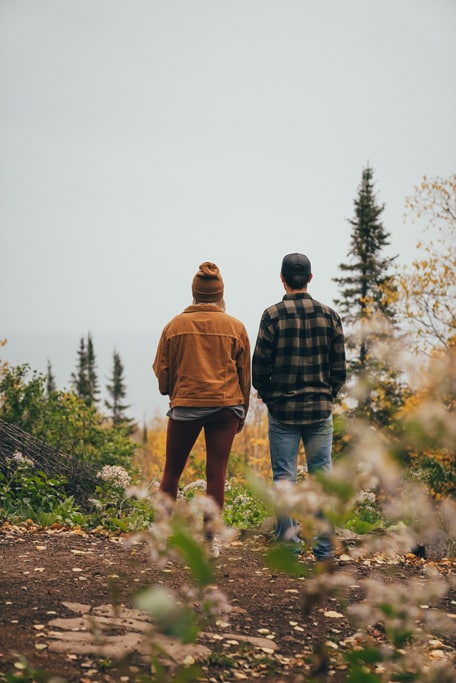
(85, 380)
(366, 284)
(79, 378)
(51, 385)
(94, 390)
(117, 392)
(366, 304)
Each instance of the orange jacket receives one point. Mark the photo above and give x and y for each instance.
(203, 359)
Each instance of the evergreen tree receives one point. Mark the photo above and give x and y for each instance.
(85, 380)
(366, 304)
(117, 392)
(366, 286)
(144, 433)
(51, 385)
(79, 378)
(93, 388)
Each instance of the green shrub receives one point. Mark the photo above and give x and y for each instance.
(243, 508)
(26, 493)
(366, 514)
(62, 420)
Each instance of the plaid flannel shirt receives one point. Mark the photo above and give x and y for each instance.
(299, 359)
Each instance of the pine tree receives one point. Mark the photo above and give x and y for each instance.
(51, 385)
(79, 378)
(93, 388)
(117, 392)
(366, 304)
(366, 286)
(85, 380)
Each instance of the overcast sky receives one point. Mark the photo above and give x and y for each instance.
(140, 138)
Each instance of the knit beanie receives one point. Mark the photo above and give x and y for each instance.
(207, 285)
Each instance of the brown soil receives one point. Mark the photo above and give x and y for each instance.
(43, 574)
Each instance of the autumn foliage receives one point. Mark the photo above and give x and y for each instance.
(250, 450)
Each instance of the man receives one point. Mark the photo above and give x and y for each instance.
(298, 369)
(203, 364)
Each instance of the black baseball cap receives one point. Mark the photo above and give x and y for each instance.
(296, 264)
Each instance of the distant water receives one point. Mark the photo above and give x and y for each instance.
(137, 351)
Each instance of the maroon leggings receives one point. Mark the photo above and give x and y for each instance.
(219, 431)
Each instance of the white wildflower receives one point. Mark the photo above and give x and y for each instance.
(115, 475)
(163, 506)
(198, 485)
(141, 492)
(20, 459)
(367, 497)
(96, 503)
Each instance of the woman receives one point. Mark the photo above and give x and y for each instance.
(203, 364)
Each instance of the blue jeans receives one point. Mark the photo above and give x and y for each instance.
(284, 440)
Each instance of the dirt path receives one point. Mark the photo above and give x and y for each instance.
(58, 589)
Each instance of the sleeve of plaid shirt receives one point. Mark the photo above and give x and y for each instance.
(263, 357)
(337, 361)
